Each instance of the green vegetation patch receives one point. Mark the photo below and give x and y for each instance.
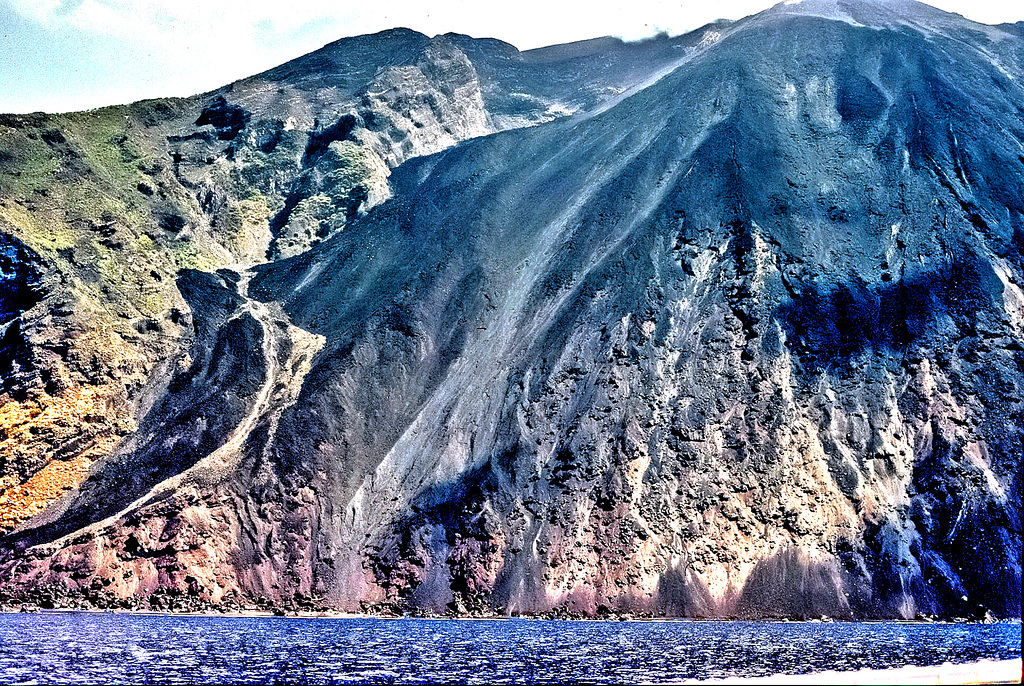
(244, 220)
(27, 163)
(187, 255)
(108, 142)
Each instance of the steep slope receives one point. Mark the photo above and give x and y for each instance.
(100, 210)
(745, 339)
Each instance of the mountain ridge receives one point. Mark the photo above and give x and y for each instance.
(739, 337)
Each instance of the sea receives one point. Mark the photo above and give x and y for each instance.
(72, 648)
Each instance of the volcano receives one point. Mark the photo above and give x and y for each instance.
(721, 324)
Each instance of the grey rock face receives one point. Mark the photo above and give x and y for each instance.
(740, 337)
(109, 205)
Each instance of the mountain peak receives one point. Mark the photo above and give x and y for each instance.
(871, 13)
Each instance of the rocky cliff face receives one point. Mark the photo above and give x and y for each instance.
(101, 211)
(723, 324)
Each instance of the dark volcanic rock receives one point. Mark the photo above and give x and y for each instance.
(109, 205)
(745, 339)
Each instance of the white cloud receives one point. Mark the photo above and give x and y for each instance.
(529, 23)
(179, 47)
(220, 26)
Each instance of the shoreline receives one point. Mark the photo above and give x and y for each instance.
(328, 614)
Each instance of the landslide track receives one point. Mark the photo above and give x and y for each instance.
(723, 324)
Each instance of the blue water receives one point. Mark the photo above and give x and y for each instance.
(97, 648)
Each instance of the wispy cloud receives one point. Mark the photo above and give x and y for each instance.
(168, 20)
(147, 48)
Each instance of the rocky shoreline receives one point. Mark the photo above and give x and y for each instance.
(179, 606)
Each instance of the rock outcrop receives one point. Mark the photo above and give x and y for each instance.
(101, 211)
(723, 324)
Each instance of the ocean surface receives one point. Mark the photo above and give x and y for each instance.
(97, 648)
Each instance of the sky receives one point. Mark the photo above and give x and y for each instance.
(62, 55)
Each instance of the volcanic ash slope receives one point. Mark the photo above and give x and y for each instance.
(745, 339)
